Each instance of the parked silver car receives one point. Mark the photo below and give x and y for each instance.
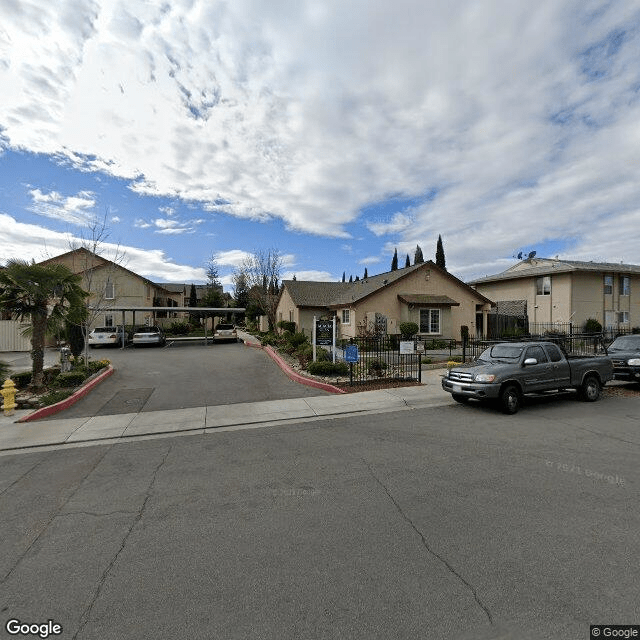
(225, 331)
(149, 336)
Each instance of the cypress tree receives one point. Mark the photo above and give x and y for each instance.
(394, 262)
(344, 276)
(418, 257)
(440, 259)
(407, 262)
(350, 278)
(366, 275)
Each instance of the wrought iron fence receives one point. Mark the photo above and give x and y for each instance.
(573, 344)
(379, 358)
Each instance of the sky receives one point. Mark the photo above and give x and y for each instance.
(332, 131)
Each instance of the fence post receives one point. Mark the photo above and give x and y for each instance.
(464, 347)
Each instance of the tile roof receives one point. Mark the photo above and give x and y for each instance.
(547, 266)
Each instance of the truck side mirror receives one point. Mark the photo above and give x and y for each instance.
(529, 361)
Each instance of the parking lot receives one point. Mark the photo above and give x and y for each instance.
(184, 375)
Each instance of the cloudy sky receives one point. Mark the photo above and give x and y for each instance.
(334, 131)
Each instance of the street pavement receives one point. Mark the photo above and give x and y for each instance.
(450, 523)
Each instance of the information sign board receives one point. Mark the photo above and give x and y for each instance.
(351, 353)
(324, 332)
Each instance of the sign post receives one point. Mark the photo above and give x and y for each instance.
(351, 355)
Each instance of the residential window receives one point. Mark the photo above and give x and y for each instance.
(109, 293)
(290, 315)
(148, 292)
(608, 285)
(609, 318)
(108, 321)
(543, 286)
(624, 285)
(346, 316)
(429, 320)
(623, 317)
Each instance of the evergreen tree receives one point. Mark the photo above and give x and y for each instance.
(357, 278)
(418, 257)
(193, 296)
(407, 262)
(394, 262)
(344, 276)
(440, 260)
(366, 275)
(294, 277)
(350, 278)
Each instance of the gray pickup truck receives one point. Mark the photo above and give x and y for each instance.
(505, 372)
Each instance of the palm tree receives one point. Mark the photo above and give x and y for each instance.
(43, 293)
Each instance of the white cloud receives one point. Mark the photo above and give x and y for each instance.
(523, 116)
(78, 209)
(318, 276)
(399, 222)
(116, 219)
(370, 260)
(231, 258)
(32, 242)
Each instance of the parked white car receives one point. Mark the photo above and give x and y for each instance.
(149, 336)
(108, 336)
(225, 332)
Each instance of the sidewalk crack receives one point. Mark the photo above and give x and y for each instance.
(84, 619)
(431, 551)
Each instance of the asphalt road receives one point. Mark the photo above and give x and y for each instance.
(179, 376)
(448, 523)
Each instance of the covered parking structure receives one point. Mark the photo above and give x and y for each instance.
(205, 310)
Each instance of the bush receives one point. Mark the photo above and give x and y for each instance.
(55, 396)
(4, 371)
(96, 365)
(296, 339)
(328, 368)
(408, 329)
(178, 328)
(376, 367)
(22, 379)
(286, 325)
(71, 378)
(592, 326)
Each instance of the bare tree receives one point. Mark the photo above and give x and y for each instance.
(98, 271)
(262, 272)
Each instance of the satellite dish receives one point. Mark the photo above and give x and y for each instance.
(531, 255)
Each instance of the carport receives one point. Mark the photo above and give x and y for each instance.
(154, 310)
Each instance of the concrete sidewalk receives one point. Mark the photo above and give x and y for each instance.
(30, 436)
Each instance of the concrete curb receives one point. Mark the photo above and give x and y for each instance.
(71, 400)
(296, 377)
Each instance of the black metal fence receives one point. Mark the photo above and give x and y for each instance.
(379, 358)
(573, 344)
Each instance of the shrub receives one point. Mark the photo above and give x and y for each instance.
(304, 353)
(4, 371)
(269, 339)
(328, 368)
(55, 396)
(376, 367)
(22, 379)
(71, 378)
(96, 365)
(635, 330)
(427, 360)
(286, 325)
(178, 328)
(592, 326)
(408, 329)
(296, 339)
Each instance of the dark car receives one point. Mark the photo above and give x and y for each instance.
(625, 355)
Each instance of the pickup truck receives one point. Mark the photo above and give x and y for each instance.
(625, 354)
(506, 371)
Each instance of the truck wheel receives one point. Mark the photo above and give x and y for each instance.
(590, 389)
(460, 398)
(510, 399)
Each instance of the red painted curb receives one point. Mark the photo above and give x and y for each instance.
(71, 400)
(296, 377)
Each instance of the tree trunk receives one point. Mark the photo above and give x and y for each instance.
(39, 322)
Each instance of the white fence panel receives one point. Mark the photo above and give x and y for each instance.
(11, 338)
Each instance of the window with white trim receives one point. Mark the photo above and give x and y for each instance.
(623, 317)
(430, 321)
(109, 291)
(346, 316)
(624, 285)
(108, 321)
(543, 286)
(608, 285)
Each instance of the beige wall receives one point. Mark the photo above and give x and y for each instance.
(422, 281)
(575, 297)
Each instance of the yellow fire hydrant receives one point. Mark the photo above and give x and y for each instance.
(9, 395)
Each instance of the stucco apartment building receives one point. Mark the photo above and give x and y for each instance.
(112, 285)
(438, 302)
(562, 291)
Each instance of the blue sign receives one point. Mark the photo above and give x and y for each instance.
(351, 353)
